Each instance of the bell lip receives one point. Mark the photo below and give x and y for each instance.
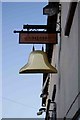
(37, 71)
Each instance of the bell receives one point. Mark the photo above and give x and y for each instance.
(38, 63)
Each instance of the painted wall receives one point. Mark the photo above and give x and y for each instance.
(67, 80)
(79, 50)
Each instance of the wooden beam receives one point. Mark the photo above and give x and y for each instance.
(70, 17)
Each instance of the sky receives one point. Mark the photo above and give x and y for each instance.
(20, 93)
(0, 60)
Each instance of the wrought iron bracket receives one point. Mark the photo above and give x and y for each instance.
(22, 31)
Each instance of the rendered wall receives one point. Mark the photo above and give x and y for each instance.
(79, 50)
(67, 80)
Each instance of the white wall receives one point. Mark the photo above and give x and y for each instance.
(67, 78)
(79, 50)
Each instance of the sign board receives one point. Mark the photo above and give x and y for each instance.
(37, 38)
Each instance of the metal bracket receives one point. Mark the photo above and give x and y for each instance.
(35, 29)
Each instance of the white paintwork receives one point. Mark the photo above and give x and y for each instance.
(67, 78)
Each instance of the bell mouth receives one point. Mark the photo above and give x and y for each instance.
(37, 71)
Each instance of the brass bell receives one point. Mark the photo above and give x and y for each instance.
(38, 63)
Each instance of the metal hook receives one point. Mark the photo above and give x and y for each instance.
(33, 48)
(42, 48)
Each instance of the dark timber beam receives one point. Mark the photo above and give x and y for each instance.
(70, 17)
